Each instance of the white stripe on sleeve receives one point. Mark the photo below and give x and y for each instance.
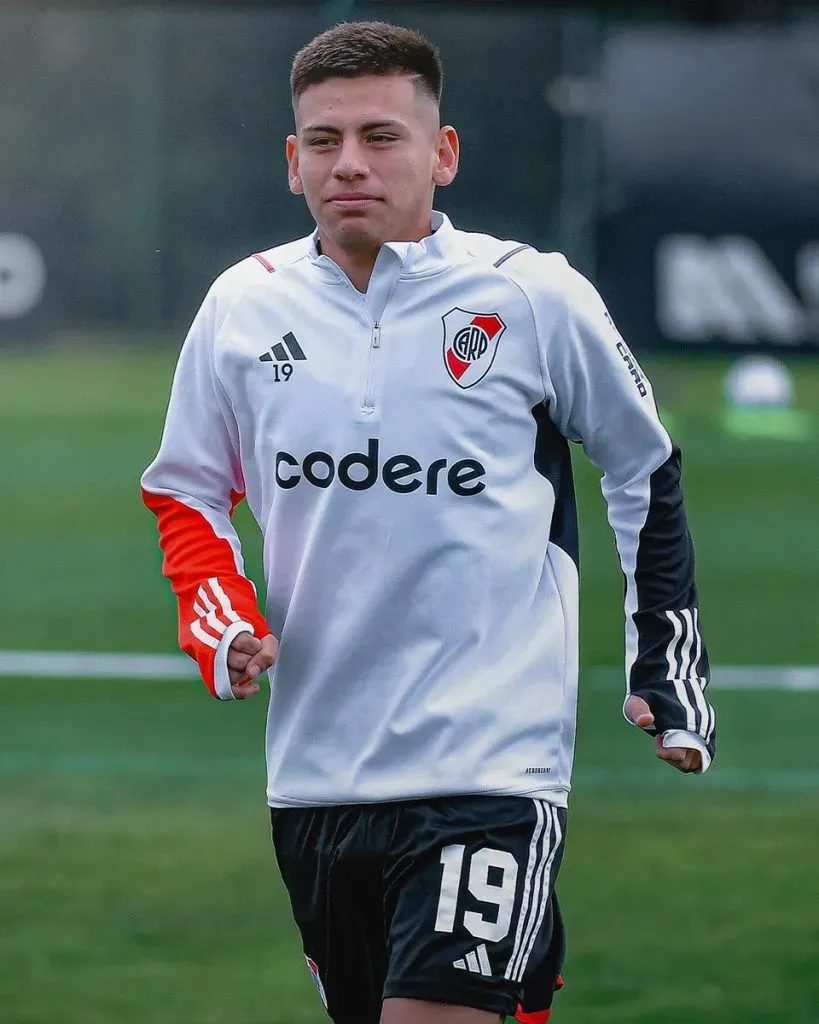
(679, 685)
(223, 599)
(687, 670)
(211, 618)
(688, 642)
(695, 660)
(202, 636)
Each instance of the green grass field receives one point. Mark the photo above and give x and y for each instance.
(136, 879)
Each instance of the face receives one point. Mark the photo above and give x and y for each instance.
(367, 155)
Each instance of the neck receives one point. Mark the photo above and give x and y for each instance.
(356, 263)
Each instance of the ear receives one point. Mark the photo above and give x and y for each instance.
(291, 149)
(446, 164)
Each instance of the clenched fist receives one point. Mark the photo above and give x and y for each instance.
(681, 758)
(247, 658)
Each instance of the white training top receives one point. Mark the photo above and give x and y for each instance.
(405, 454)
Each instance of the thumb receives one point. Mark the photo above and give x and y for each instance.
(638, 712)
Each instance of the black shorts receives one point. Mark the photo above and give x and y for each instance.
(450, 900)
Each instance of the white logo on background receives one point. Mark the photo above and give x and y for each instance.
(22, 276)
(728, 288)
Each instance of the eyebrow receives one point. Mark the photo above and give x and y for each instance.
(369, 126)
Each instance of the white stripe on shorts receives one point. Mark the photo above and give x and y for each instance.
(527, 885)
(545, 897)
(530, 904)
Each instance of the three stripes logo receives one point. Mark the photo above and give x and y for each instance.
(683, 655)
(537, 890)
(476, 962)
(215, 612)
(283, 351)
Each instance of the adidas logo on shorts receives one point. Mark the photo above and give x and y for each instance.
(477, 962)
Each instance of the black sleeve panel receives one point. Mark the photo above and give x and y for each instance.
(671, 669)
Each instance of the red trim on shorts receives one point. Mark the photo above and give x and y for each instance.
(539, 1017)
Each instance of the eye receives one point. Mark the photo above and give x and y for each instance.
(321, 142)
(382, 137)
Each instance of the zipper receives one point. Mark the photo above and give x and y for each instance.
(368, 405)
(368, 401)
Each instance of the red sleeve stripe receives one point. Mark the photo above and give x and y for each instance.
(212, 593)
(267, 266)
(192, 550)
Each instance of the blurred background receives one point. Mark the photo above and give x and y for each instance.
(672, 151)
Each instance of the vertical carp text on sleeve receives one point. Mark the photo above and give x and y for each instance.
(602, 398)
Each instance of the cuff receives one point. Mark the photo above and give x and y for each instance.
(682, 738)
(221, 676)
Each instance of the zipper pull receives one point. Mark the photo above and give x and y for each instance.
(376, 335)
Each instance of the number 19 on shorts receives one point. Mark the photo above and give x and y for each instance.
(492, 879)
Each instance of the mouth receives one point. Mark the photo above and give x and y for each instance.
(352, 201)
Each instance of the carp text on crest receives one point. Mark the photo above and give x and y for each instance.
(470, 343)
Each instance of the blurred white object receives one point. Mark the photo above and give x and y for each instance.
(22, 276)
(759, 382)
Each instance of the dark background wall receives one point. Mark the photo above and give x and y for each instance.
(141, 152)
(142, 149)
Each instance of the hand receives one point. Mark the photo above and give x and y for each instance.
(681, 758)
(247, 657)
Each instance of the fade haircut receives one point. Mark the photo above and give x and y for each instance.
(356, 48)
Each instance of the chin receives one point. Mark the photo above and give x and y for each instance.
(356, 234)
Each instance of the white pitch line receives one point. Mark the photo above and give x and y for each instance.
(96, 665)
(728, 677)
(93, 665)
(766, 677)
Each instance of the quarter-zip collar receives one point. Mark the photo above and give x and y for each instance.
(427, 256)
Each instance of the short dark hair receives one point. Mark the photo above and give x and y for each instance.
(355, 48)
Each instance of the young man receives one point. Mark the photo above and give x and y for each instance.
(394, 397)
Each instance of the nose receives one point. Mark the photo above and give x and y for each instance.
(351, 162)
